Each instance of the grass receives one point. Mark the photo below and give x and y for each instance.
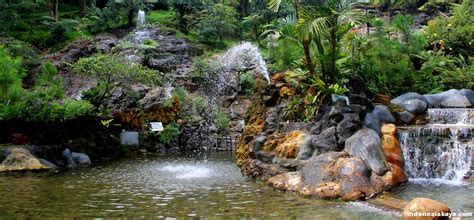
(165, 18)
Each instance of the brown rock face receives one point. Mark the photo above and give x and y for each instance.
(20, 159)
(425, 209)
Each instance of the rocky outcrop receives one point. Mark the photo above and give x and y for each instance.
(21, 159)
(365, 144)
(420, 206)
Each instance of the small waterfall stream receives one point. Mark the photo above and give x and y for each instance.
(441, 149)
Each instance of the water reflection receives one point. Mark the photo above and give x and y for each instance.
(161, 187)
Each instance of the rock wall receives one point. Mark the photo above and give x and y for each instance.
(347, 151)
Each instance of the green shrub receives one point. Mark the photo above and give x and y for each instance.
(11, 75)
(219, 22)
(246, 82)
(170, 133)
(114, 71)
(222, 120)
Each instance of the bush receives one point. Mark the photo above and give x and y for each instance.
(114, 71)
(170, 133)
(246, 82)
(219, 22)
(222, 120)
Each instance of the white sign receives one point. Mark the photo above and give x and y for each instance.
(156, 126)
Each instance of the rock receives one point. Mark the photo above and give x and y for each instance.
(406, 117)
(365, 144)
(129, 138)
(256, 169)
(355, 179)
(259, 141)
(383, 114)
(389, 129)
(347, 127)
(382, 98)
(392, 151)
(450, 99)
(318, 168)
(290, 181)
(67, 155)
(154, 97)
(306, 148)
(415, 106)
(19, 139)
(21, 159)
(81, 159)
(424, 205)
(371, 121)
(469, 94)
(456, 101)
(48, 164)
(407, 96)
(270, 95)
(360, 104)
(326, 141)
(288, 164)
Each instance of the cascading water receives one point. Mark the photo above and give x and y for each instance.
(141, 18)
(441, 149)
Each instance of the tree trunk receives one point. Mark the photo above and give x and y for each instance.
(333, 70)
(53, 6)
(307, 53)
(130, 17)
(83, 7)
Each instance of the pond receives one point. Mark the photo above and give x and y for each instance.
(200, 186)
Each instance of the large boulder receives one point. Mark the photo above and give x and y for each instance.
(372, 121)
(451, 99)
(21, 159)
(407, 96)
(406, 117)
(415, 106)
(355, 179)
(469, 95)
(290, 181)
(420, 205)
(306, 148)
(383, 114)
(366, 145)
(318, 168)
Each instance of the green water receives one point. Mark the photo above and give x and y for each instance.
(207, 187)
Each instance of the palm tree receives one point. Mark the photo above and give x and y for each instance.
(321, 24)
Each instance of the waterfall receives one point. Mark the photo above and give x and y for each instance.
(141, 18)
(441, 149)
(246, 56)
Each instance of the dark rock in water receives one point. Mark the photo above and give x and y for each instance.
(406, 117)
(347, 127)
(317, 168)
(306, 148)
(407, 96)
(415, 106)
(20, 159)
(257, 169)
(371, 121)
(326, 141)
(383, 114)
(67, 154)
(81, 159)
(365, 144)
